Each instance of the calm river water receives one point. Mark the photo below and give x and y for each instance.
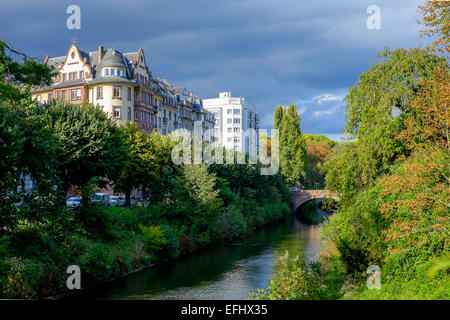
(221, 272)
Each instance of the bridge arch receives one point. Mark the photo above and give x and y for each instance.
(302, 196)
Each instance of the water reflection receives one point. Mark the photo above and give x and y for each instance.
(223, 272)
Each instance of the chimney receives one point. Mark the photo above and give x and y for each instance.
(100, 54)
(46, 59)
(165, 80)
(190, 93)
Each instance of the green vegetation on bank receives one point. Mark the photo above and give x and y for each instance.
(393, 183)
(61, 146)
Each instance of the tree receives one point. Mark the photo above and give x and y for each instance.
(139, 168)
(436, 22)
(317, 152)
(197, 199)
(278, 117)
(18, 75)
(293, 159)
(27, 146)
(90, 145)
(320, 138)
(427, 119)
(378, 104)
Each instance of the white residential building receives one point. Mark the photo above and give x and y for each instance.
(234, 119)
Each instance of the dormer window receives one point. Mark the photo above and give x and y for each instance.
(113, 72)
(106, 72)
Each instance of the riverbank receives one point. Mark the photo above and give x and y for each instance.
(224, 271)
(180, 245)
(119, 241)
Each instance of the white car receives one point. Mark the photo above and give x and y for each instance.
(294, 189)
(73, 202)
(101, 199)
(117, 201)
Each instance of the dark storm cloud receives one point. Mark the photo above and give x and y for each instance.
(271, 52)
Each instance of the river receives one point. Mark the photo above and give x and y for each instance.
(222, 272)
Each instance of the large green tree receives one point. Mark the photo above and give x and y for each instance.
(377, 106)
(293, 159)
(27, 146)
(90, 145)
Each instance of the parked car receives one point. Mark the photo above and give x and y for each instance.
(293, 189)
(117, 201)
(73, 202)
(101, 199)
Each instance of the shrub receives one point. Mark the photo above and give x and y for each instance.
(293, 280)
(22, 278)
(231, 223)
(153, 237)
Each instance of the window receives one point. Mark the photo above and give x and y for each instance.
(129, 93)
(142, 116)
(119, 72)
(112, 72)
(116, 112)
(237, 111)
(81, 75)
(237, 139)
(135, 116)
(72, 76)
(170, 115)
(75, 94)
(237, 129)
(64, 77)
(50, 97)
(117, 92)
(237, 120)
(129, 114)
(229, 120)
(99, 92)
(149, 117)
(229, 111)
(230, 129)
(229, 139)
(106, 72)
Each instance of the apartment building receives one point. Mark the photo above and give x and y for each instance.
(234, 117)
(191, 110)
(123, 86)
(167, 113)
(120, 83)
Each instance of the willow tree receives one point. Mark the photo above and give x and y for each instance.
(379, 102)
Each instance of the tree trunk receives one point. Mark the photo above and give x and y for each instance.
(128, 198)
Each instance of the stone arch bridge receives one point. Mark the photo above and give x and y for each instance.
(302, 196)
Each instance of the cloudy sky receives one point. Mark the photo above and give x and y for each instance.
(270, 52)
